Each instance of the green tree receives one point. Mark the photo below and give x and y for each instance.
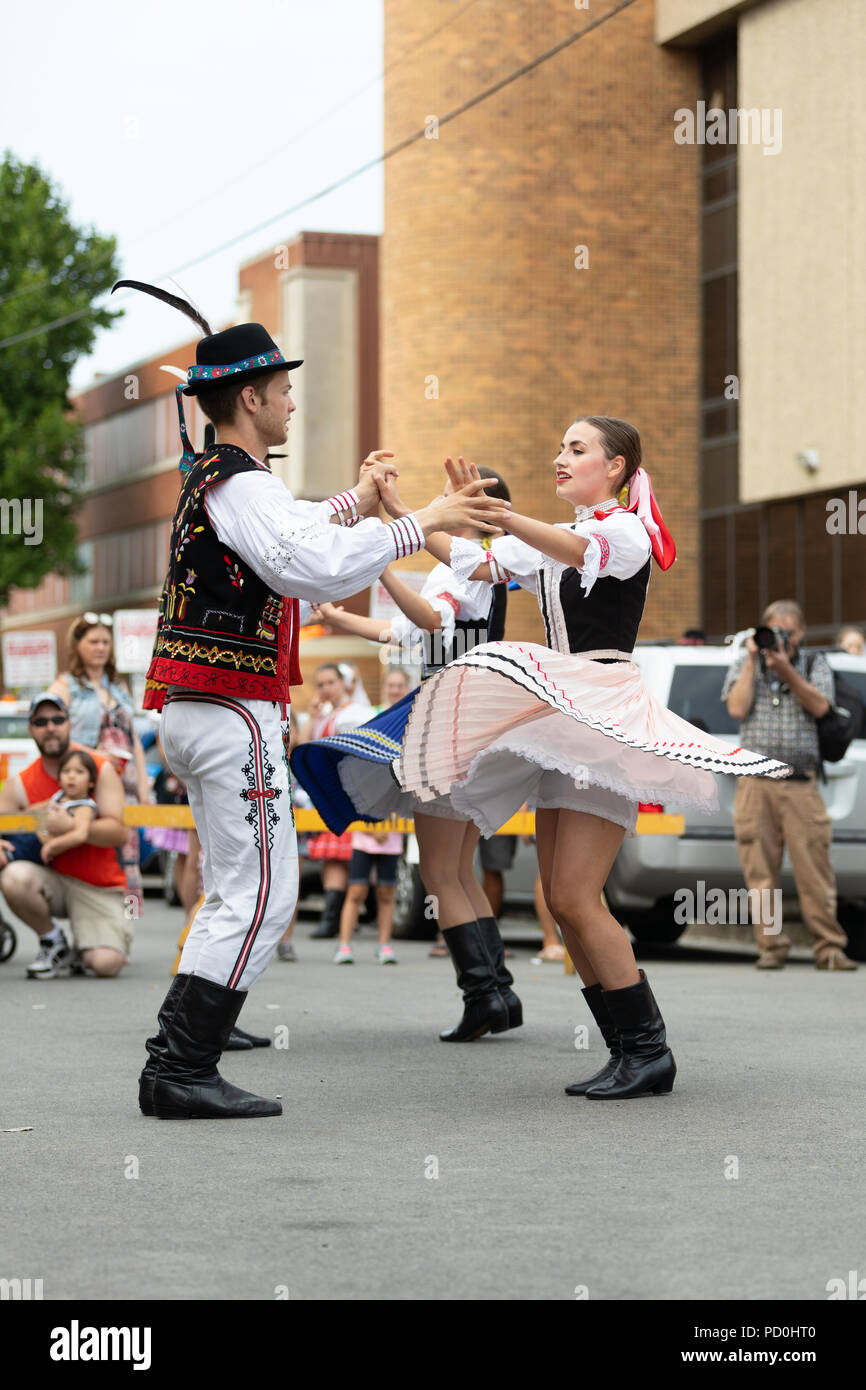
(51, 272)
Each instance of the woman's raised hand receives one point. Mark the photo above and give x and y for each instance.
(460, 473)
(465, 506)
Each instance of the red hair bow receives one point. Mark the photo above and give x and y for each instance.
(642, 501)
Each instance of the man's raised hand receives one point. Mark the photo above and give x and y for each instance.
(375, 474)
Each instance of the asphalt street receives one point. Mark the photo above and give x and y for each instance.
(403, 1168)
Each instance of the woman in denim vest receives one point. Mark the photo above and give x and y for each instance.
(101, 712)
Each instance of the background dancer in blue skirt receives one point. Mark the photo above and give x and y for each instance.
(349, 777)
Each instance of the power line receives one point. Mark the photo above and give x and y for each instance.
(362, 168)
(281, 149)
(307, 130)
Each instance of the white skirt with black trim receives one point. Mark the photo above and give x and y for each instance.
(513, 722)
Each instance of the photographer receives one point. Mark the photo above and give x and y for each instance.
(767, 691)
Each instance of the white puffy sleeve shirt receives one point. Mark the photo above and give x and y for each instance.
(453, 597)
(618, 547)
(291, 544)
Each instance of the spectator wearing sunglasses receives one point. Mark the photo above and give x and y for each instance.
(101, 710)
(85, 884)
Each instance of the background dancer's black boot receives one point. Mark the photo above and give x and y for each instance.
(186, 1084)
(485, 1010)
(595, 998)
(156, 1046)
(329, 923)
(241, 1041)
(647, 1065)
(504, 979)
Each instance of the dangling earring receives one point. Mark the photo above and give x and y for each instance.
(622, 495)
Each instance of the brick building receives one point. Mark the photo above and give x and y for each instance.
(318, 296)
(555, 251)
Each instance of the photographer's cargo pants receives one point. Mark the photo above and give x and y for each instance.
(769, 817)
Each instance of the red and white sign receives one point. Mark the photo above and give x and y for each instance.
(382, 606)
(29, 659)
(134, 636)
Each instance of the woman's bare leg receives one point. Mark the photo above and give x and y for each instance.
(466, 872)
(356, 896)
(335, 874)
(440, 842)
(385, 911)
(551, 946)
(188, 887)
(584, 848)
(546, 827)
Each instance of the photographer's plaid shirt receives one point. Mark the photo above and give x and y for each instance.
(783, 730)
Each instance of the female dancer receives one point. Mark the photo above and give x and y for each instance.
(349, 778)
(332, 710)
(101, 710)
(574, 729)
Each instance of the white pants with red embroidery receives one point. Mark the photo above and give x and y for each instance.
(230, 754)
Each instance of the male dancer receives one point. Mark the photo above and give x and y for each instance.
(243, 551)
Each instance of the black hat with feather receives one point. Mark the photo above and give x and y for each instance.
(242, 352)
(237, 354)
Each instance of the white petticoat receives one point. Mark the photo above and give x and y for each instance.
(377, 796)
(513, 722)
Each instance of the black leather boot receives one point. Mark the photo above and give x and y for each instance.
(241, 1041)
(186, 1084)
(595, 998)
(485, 1010)
(329, 923)
(157, 1045)
(647, 1065)
(504, 978)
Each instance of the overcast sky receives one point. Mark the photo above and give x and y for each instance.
(177, 124)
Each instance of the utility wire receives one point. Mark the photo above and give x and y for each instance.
(281, 149)
(362, 168)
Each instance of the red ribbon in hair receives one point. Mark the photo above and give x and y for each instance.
(642, 501)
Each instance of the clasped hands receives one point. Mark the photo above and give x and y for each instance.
(462, 501)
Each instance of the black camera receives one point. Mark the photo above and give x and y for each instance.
(767, 639)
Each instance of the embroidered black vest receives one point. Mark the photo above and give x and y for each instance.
(468, 632)
(220, 628)
(606, 620)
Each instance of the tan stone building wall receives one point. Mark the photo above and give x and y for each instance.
(479, 286)
(802, 229)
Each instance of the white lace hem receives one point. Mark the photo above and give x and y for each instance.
(465, 557)
(684, 796)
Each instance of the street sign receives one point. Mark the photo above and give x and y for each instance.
(29, 659)
(382, 606)
(134, 635)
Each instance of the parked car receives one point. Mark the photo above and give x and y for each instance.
(412, 917)
(17, 748)
(651, 868)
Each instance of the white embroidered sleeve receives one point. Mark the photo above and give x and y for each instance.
(618, 547)
(296, 553)
(514, 559)
(441, 592)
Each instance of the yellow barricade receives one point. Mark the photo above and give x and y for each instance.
(180, 818)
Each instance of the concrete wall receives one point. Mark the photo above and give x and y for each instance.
(802, 221)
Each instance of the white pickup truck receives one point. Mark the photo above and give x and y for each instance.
(651, 868)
